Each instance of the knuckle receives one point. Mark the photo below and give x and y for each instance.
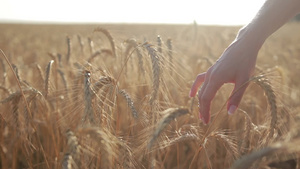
(199, 76)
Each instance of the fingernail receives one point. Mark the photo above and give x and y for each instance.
(202, 119)
(232, 109)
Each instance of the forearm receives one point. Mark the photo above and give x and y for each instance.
(272, 15)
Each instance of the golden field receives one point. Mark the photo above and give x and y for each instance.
(116, 96)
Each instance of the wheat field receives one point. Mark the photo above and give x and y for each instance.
(116, 96)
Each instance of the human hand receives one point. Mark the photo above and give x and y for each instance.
(236, 65)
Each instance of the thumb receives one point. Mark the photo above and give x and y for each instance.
(236, 95)
(200, 78)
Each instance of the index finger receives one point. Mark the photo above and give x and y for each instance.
(205, 96)
(199, 80)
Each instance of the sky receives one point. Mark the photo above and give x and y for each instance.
(211, 12)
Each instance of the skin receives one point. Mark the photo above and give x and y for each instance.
(236, 64)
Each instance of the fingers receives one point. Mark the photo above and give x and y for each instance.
(237, 94)
(209, 90)
(206, 94)
(200, 78)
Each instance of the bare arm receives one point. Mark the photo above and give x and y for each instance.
(237, 63)
(272, 15)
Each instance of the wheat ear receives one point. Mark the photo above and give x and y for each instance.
(4, 71)
(228, 143)
(133, 43)
(88, 110)
(98, 53)
(16, 71)
(246, 161)
(81, 44)
(246, 135)
(69, 44)
(265, 84)
(59, 57)
(5, 89)
(170, 114)
(15, 111)
(67, 161)
(91, 45)
(159, 44)
(15, 98)
(40, 72)
(110, 38)
(47, 78)
(62, 75)
(103, 81)
(155, 71)
(129, 103)
(18, 82)
(73, 151)
(31, 97)
(170, 52)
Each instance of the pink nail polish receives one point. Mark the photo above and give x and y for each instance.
(203, 121)
(232, 109)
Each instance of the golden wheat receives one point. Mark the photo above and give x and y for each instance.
(46, 129)
(69, 44)
(170, 114)
(129, 102)
(110, 38)
(264, 83)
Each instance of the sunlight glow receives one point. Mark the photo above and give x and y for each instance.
(220, 12)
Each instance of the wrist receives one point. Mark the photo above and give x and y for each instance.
(253, 36)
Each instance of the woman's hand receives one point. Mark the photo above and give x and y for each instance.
(236, 65)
